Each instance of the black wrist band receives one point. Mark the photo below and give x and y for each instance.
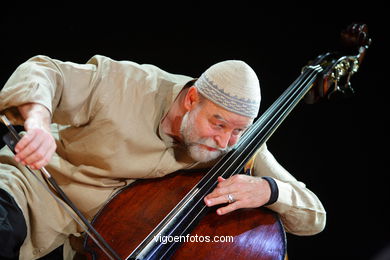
(274, 190)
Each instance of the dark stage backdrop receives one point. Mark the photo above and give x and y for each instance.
(336, 148)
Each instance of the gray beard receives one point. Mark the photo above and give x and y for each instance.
(192, 143)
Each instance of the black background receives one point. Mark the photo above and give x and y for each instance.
(336, 148)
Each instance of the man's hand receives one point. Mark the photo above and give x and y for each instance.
(37, 146)
(247, 191)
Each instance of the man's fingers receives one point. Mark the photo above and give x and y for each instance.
(215, 200)
(24, 141)
(229, 208)
(45, 159)
(35, 148)
(247, 191)
(39, 164)
(217, 192)
(222, 200)
(27, 145)
(39, 154)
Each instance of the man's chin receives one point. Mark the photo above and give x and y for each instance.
(203, 155)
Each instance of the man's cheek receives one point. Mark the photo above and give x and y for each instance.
(233, 140)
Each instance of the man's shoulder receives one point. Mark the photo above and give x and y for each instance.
(147, 69)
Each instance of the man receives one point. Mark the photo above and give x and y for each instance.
(100, 126)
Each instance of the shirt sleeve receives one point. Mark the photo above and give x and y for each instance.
(66, 89)
(301, 212)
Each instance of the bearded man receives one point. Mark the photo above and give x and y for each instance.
(99, 126)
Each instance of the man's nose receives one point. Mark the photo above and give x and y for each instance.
(223, 139)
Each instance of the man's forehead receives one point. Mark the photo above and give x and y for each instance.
(234, 119)
(220, 113)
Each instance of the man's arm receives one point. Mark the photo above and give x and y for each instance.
(68, 90)
(41, 90)
(301, 211)
(37, 146)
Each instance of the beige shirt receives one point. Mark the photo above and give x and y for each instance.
(106, 117)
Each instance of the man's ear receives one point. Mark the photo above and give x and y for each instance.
(191, 99)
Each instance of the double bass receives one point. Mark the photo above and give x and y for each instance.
(137, 221)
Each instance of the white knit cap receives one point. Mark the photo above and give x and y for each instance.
(233, 85)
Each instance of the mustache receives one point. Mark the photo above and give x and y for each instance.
(212, 144)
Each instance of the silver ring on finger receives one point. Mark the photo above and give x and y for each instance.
(230, 198)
